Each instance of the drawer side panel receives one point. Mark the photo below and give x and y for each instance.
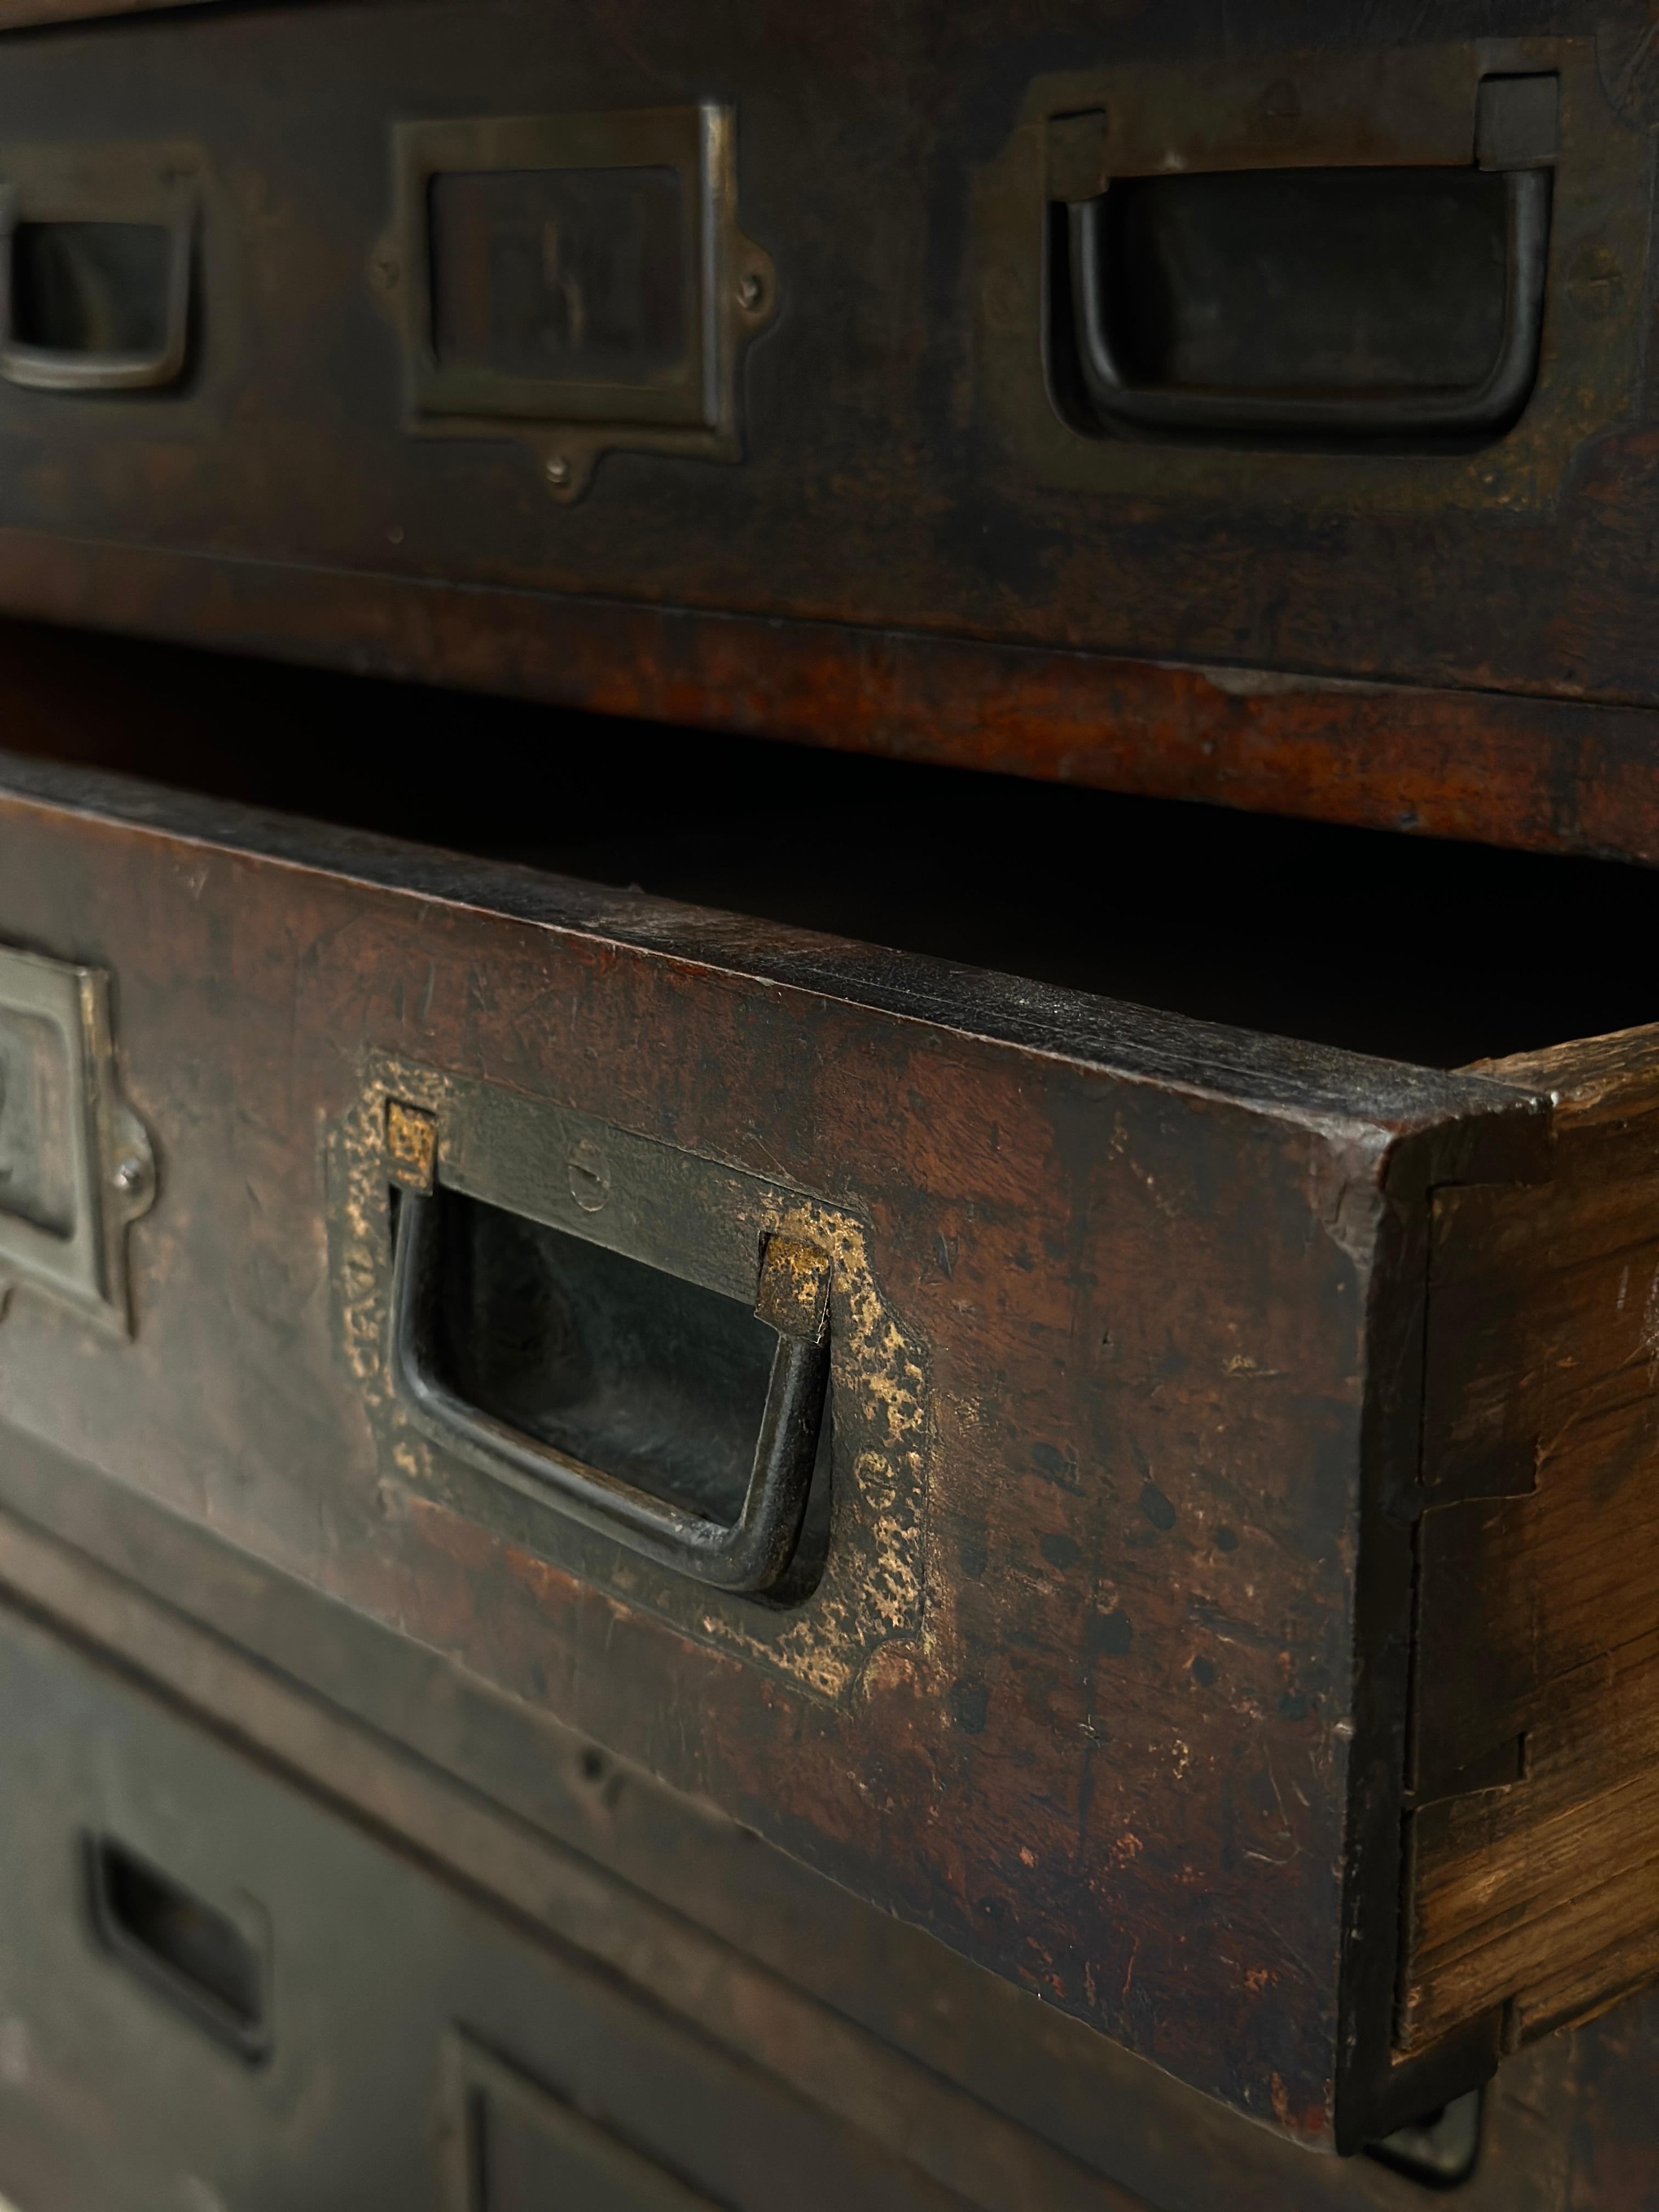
(1534, 1864)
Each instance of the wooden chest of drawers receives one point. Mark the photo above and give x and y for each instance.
(1161, 1502)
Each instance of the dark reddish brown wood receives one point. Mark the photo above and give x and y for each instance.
(955, 572)
(1132, 1308)
(1545, 774)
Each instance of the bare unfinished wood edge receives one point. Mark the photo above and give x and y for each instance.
(1617, 1978)
(591, 1919)
(1507, 1863)
(1589, 1079)
(1377, 2087)
(1603, 1943)
(1601, 1089)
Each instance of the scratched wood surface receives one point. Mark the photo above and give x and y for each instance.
(1536, 1662)
(1159, 1283)
(1535, 1848)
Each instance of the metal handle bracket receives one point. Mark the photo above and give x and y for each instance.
(47, 368)
(751, 1554)
(1470, 411)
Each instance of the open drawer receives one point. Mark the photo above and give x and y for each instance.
(1165, 1508)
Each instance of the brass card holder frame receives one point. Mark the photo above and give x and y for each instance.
(66, 1129)
(727, 291)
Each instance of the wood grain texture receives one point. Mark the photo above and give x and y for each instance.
(1543, 774)
(1108, 1743)
(1535, 1846)
(1335, 635)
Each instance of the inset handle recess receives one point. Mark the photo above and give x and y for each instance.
(662, 1414)
(93, 306)
(1333, 304)
(181, 1947)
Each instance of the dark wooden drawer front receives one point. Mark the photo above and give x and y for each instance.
(1093, 1655)
(745, 392)
(165, 1702)
(830, 380)
(413, 2047)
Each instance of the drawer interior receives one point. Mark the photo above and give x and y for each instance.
(1412, 949)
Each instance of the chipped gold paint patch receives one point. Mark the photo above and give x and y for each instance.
(806, 1261)
(411, 1146)
(794, 1289)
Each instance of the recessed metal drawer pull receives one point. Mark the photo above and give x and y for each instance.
(91, 304)
(1299, 234)
(1477, 408)
(182, 1947)
(752, 1553)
